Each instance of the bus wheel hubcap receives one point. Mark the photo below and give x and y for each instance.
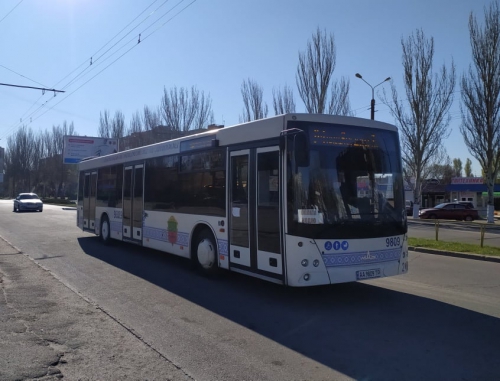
(206, 254)
(105, 231)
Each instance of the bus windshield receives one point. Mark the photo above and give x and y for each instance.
(351, 185)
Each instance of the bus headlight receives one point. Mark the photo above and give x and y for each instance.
(315, 263)
(306, 277)
(304, 262)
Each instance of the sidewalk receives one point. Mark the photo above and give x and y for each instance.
(48, 332)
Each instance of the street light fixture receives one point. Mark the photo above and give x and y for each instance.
(373, 93)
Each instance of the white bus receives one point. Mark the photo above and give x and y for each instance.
(296, 199)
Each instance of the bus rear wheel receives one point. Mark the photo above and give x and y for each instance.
(105, 230)
(205, 255)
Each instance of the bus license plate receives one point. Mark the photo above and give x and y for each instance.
(367, 274)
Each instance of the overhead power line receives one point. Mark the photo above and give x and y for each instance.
(3, 18)
(93, 66)
(32, 80)
(31, 87)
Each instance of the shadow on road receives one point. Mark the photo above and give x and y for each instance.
(363, 331)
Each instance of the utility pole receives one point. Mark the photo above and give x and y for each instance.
(372, 103)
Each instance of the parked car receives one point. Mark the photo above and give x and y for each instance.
(468, 204)
(409, 207)
(450, 211)
(28, 201)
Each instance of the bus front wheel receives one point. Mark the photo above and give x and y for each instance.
(105, 230)
(205, 255)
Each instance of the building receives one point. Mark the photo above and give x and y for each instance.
(155, 135)
(472, 189)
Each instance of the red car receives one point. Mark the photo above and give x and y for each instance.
(450, 211)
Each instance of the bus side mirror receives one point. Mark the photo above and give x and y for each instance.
(298, 144)
(282, 142)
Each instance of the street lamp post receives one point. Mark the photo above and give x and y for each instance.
(372, 104)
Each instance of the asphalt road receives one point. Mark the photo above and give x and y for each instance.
(438, 322)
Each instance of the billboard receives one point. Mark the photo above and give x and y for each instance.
(77, 148)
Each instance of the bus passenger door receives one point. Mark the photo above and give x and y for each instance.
(86, 201)
(133, 197)
(267, 219)
(92, 200)
(239, 232)
(254, 221)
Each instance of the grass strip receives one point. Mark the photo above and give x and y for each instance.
(454, 246)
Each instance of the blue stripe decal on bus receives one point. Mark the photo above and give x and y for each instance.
(222, 246)
(177, 238)
(116, 226)
(361, 258)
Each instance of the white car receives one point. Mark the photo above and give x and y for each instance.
(28, 201)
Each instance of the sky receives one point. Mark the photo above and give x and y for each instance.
(213, 45)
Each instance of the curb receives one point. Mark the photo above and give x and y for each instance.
(455, 254)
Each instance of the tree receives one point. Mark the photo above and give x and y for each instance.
(339, 98)
(184, 110)
(111, 127)
(104, 129)
(314, 77)
(22, 152)
(151, 118)
(58, 133)
(117, 125)
(135, 125)
(20, 161)
(429, 96)
(135, 131)
(468, 168)
(254, 107)
(33, 162)
(480, 105)
(283, 101)
(457, 168)
(442, 172)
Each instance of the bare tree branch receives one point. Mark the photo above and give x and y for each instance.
(339, 98)
(429, 97)
(314, 74)
(151, 118)
(254, 107)
(481, 98)
(283, 101)
(184, 110)
(104, 129)
(118, 125)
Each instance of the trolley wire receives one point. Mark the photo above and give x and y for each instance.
(33, 116)
(25, 115)
(32, 80)
(4, 17)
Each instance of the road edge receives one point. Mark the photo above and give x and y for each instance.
(454, 254)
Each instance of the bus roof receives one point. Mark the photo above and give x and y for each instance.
(245, 132)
